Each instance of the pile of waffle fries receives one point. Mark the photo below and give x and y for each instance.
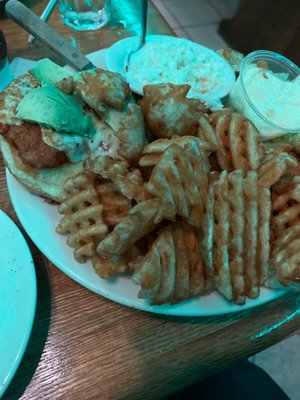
(211, 209)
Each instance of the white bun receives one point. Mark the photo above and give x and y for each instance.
(47, 182)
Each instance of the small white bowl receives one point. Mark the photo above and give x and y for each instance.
(116, 57)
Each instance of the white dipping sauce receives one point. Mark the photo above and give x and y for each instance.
(276, 98)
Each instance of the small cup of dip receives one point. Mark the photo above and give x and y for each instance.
(268, 93)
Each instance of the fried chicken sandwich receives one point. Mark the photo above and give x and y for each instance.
(52, 120)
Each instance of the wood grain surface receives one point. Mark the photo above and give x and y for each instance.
(85, 347)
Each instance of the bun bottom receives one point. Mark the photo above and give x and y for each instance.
(47, 182)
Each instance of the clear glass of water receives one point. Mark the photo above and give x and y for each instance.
(84, 15)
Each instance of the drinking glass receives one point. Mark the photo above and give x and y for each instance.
(84, 15)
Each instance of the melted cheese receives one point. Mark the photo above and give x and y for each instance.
(79, 148)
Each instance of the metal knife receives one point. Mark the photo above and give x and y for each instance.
(29, 21)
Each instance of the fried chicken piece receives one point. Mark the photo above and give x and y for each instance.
(128, 125)
(168, 112)
(98, 88)
(27, 138)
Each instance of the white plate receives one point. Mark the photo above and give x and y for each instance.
(40, 219)
(116, 57)
(17, 298)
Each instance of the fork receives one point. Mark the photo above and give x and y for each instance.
(143, 36)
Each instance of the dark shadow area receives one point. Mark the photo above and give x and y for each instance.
(242, 380)
(268, 24)
(39, 331)
(27, 3)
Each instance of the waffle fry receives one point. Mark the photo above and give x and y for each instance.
(239, 143)
(263, 242)
(156, 273)
(221, 124)
(271, 172)
(208, 231)
(236, 235)
(114, 265)
(142, 219)
(147, 270)
(129, 182)
(190, 274)
(153, 151)
(250, 234)
(236, 240)
(174, 182)
(172, 269)
(207, 133)
(200, 166)
(286, 255)
(116, 206)
(221, 267)
(285, 205)
(82, 216)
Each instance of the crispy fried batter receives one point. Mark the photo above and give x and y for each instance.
(32, 150)
(98, 87)
(169, 112)
(25, 136)
(128, 126)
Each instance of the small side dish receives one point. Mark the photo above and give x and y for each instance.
(166, 59)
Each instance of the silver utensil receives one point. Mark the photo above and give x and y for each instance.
(48, 36)
(143, 35)
(44, 16)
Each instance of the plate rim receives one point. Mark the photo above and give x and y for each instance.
(26, 333)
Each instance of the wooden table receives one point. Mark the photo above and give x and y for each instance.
(85, 347)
